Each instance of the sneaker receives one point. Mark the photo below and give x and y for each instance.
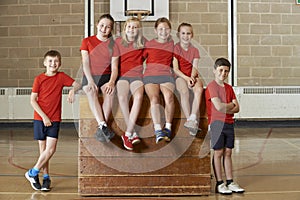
(159, 135)
(234, 187)
(168, 134)
(127, 142)
(192, 126)
(34, 181)
(222, 189)
(104, 134)
(46, 185)
(135, 138)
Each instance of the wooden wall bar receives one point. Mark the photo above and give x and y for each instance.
(174, 168)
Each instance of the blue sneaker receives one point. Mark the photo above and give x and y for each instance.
(168, 134)
(159, 135)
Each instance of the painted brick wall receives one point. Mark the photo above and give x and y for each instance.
(268, 37)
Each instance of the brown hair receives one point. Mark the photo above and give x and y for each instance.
(53, 53)
(112, 42)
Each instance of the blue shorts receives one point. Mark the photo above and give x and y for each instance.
(158, 79)
(222, 135)
(99, 80)
(41, 132)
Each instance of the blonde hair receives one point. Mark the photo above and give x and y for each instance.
(138, 42)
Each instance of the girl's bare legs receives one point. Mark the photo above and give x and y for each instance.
(137, 91)
(198, 90)
(184, 92)
(94, 104)
(153, 91)
(167, 90)
(107, 103)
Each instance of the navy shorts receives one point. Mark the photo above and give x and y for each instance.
(41, 132)
(131, 79)
(222, 135)
(158, 79)
(99, 80)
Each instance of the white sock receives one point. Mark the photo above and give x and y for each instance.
(157, 127)
(128, 134)
(101, 124)
(192, 117)
(168, 126)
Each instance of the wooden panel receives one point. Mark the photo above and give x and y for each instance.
(174, 168)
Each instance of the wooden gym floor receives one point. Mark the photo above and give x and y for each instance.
(266, 163)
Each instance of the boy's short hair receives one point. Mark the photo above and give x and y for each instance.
(222, 62)
(53, 53)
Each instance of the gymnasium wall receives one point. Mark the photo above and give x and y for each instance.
(268, 36)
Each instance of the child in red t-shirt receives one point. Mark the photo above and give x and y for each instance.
(185, 65)
(221, 104)
(46, 101)
(128, 55)
(96, 53)
(158, 77)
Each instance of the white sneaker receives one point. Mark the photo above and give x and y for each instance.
(222, 189)
(234, 187)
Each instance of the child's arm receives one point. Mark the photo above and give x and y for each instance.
(87, 70)
(222, 107)
(37, 108)
(109, 88)
(71, 95)
(236, 107)
(189, 80)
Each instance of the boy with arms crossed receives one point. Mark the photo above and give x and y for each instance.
(221, 105)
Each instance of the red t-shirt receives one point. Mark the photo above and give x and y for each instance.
(225, 94)
(185, 58)
(159, 58)
(130, 59)
(100, 57)
(49, 89)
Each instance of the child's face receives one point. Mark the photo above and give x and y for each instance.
(221, 73)
(52, 64)
(185, 34)
(131, 29)
(163, 32)
(104, 27)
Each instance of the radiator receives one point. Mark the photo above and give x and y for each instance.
(15, 104)
(255, 103)
(268, 102)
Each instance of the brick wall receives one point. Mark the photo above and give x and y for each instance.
(268, 37)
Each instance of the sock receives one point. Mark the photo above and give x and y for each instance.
(192, 117)
(101, 124)
(229, 181)
(127, 134)
(219, 182)
(157, 127)
(33, 172)
(168, 126)
(46, 176)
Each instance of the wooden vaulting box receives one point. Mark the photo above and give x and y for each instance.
(173, 168)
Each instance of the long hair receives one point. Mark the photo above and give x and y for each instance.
(110, 36)
(138, 42)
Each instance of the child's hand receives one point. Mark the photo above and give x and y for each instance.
(71, 96)
(47, 121)
(191, 82)
(109, 88)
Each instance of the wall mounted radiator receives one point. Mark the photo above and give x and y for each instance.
(268, 102)
(255, 102)
(15, 104)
